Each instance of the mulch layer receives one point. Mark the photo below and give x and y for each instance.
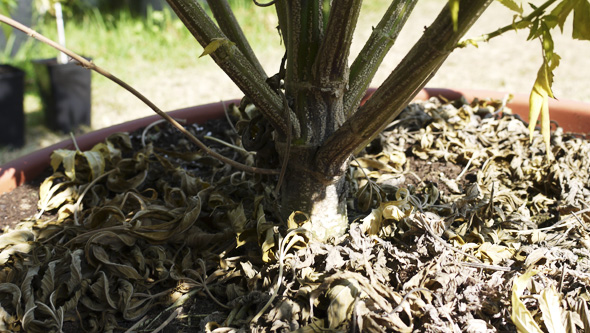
(457, 223)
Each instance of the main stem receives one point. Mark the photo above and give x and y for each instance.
(315, 82)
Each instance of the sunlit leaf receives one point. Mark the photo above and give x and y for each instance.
(214, 45)
(539, 104)
(342, 297)
(512, 5)
(551, 310)
(372, 222)
(67, 158)
(494, 253)
(96, 162)
(520, 315)
(562, 11)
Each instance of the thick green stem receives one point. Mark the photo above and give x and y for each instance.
(231, 28)
(304, 35)
(413, 72)
(282, 15)
(365, 65)
(331, 63)
(231, 60)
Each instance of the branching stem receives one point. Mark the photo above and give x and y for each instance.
(509, 27)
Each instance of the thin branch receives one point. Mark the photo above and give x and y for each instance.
(90, 65)
(367, 63)
(282, 15)
(264, 4)
(331, 62)
(231, 60)
(509, 27)
(231, 28)
(411, 75)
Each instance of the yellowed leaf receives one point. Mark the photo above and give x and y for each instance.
(494, 253)
(521, 317)
(96, 162)
(68, 159)
(539, 104)
(342, 298)
(214, 45)
(551, 310)
(372, 222)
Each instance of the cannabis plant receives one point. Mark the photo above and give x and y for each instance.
(312, 109)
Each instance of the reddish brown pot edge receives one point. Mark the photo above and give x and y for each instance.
(20, 170)
(572, 116)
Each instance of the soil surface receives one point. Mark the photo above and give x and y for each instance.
(458, 223)
(18, 204)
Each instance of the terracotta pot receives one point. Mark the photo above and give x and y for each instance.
(572, 116)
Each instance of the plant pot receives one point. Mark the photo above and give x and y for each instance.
(65, 94)
(12, 89)
(572, 116)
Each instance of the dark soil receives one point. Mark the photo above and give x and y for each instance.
(19, 204)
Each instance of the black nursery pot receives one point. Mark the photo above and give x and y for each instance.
(12, 89)
(65, 94)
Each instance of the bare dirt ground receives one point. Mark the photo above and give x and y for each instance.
(508, 63)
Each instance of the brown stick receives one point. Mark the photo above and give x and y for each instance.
(90, 65)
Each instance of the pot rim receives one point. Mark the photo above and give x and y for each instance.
(571, 115)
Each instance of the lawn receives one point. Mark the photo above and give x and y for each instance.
(158, 56)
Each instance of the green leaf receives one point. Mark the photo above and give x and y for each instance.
(214, 45)
(512, 5)
(581, 28)
(454, 7)
(562, 11)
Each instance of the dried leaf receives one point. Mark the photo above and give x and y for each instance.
(520, 315)
(342, 297)
(551, 310)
